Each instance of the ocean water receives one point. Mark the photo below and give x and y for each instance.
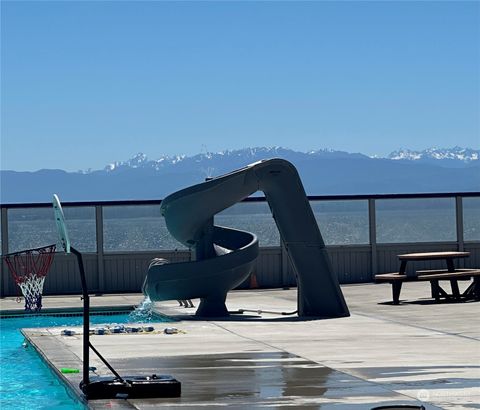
(142, 228)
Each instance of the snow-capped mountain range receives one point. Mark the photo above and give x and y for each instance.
(323, 172)
(465, 155)
(456, 156)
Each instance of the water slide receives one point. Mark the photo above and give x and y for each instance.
(225, 257)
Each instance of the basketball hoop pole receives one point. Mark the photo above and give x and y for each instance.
(86, 317)
(86, 325)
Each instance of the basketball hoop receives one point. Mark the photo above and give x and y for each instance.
(29, 269)
(103, 387)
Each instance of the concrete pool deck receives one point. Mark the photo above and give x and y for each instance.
(418, 352)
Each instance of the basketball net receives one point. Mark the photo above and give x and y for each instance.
(29, 269)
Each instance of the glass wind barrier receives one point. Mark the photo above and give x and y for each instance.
(136, 228)
(342, 222)
(471, 219)
(35, 227)
(416, 220)
(254, 217)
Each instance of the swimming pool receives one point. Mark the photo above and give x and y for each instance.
(26, 381)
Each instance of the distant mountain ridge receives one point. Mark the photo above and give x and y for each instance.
(323, 172)
(443, 156)
(456, 156)
(215, 160)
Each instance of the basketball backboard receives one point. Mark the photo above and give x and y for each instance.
(60, 222)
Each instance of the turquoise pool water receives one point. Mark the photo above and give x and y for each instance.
(26, 382)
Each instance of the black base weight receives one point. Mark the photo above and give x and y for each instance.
(133, 387)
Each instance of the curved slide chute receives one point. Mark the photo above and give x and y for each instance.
(224, 257)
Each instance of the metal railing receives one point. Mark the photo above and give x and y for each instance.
(372, 255)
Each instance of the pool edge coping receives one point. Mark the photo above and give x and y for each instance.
(66, 310)
(72, 383)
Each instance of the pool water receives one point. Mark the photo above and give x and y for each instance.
(26, 382)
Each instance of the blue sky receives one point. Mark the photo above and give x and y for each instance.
(88, 83)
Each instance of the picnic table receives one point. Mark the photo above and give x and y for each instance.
(451, 274)
(449, 257)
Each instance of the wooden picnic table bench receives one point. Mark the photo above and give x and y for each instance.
(434, 276)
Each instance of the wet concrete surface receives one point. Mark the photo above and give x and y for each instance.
(259, 379)
(245, 375)
(408, 354)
